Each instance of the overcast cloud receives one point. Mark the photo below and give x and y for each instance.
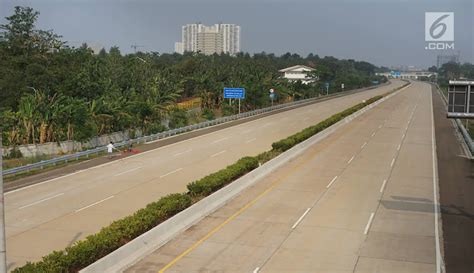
(382, 32)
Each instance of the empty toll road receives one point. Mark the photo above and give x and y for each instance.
(56, 213)
(361, 200)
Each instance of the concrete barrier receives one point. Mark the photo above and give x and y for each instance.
(148, 242)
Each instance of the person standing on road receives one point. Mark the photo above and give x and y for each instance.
(110, 149)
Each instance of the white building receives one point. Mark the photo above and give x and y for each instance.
(298, 72)
(218, 38)
(230, 38)
(178, 47)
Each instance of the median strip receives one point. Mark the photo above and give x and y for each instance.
(120, 232)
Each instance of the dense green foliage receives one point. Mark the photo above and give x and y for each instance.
(453, 71)
(52, 92)
(110, 238)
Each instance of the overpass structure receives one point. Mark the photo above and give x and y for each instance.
(408, 75)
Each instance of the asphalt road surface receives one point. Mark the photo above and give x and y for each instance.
(362, 200)
(54, 214)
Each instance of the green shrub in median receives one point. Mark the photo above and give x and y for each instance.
(217, 180)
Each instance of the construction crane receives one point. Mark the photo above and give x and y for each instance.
(135, 47)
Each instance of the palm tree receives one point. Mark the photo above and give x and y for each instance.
(27, 113)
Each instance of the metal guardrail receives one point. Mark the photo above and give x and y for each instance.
(169, 133)
(467, 136)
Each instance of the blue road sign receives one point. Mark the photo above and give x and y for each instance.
(327, 85)
(395, 74)
(234, 93)
(272, 96)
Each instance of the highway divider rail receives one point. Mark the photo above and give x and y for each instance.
(140, 140)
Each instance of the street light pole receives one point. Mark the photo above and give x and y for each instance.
(3, 249)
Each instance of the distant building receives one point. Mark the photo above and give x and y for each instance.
(230, 38)
(178, 47)
(443, 59)
(210, 40)
(298, 73)
(218, 38)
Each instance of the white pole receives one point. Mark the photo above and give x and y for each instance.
(3, 250)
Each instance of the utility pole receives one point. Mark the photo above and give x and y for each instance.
(3, 249)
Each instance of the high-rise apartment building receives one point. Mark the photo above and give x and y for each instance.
(443, 59)
(230, 38)
(218, 38)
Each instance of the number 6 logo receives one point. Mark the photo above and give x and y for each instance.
(439, 26)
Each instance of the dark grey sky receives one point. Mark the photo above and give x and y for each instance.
(384, 32)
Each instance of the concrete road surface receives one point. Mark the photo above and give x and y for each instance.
(54, 214)
(456, 183)
(362, 200)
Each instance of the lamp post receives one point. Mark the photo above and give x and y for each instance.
(3, 250)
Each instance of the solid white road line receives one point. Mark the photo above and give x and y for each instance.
(332, 181)
(393, 162)
(256, 270)
(435, 189)
(134, 169)
(383, 185)
(363, 145)
(250, 140)
(301, 218)
(369, 223)
(41, 201)
(172, 172)
(219, 140)
(181, 153)
(96, 203)
(350, 160)
(44, 182)
(219, 153)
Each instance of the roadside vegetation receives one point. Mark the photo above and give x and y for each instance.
(50, 91)
(87, 251)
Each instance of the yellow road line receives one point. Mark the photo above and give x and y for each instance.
(240, 211)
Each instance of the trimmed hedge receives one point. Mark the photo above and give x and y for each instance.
(120, 232)
(110, 238)
(213, 182)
